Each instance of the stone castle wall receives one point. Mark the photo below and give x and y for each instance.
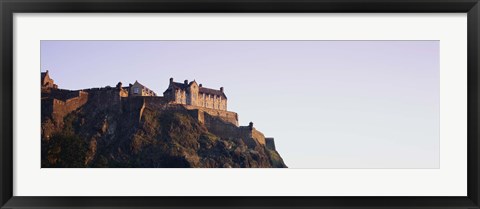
(98, 96)
(257, 135)
(221, 123)
(219, 127)
(226, 116)
(60, 108)
(58, 103)
(270, 143)
(155, 102)
(62, 94)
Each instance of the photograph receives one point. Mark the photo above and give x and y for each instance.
(309, 104)
(242, 104)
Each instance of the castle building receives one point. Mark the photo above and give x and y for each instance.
(137, 89)
(186, 93)
(46, 81)
(196, 95)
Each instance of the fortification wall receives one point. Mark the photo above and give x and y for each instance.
(59, 103)
(59, 111)
(137, 104)
(270, 143)
(104, 97)
(220, 128)
(257, 135)
(227, 116)
(61, 108)
(133, 105)
(250, 136)
(76, 102)
(155, 102)
(63, 94)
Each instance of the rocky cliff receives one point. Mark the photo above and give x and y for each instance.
(138, 132)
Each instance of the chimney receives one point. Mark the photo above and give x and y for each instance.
(185, 81)
(221, 89)
(171, 80)
(250, 125)
(200, 85)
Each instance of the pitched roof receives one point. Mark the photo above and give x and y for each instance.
(211, 91)
(180, 85)
(144, 87)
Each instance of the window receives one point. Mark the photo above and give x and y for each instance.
(135, 90)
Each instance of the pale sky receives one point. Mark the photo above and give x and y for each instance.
(328, 104)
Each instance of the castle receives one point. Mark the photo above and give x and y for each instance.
(196, 95)
(208, 106)
(191, 95)
(185, 93)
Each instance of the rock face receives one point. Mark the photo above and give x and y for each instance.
(111, 131)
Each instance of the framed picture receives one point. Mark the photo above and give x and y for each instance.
(239, 104)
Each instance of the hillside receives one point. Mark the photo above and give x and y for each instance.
(95, 129)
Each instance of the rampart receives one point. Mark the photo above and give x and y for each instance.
(226, 116)
(249, 135)
(61, 103)
(102, 98)
(155, 102)
(62, 94)
(58, 103)
(270, 143)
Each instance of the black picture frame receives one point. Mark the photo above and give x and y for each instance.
(9, 7)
